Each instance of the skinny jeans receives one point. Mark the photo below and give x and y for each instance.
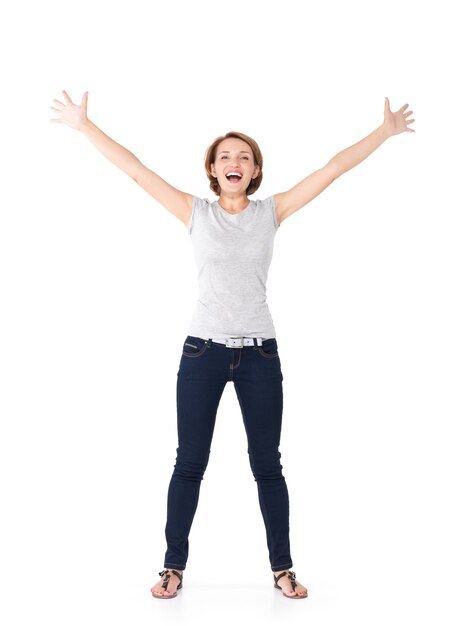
(205, 368)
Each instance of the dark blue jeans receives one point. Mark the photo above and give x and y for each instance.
(205, 368)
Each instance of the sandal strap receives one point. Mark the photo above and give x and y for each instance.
(290, 575)
(166, 573)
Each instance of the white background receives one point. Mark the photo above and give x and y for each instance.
(368, 289)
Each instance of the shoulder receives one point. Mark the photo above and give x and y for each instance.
(269, 205)
(198, 204)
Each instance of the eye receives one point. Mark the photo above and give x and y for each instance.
(223, 156)
(246, 157)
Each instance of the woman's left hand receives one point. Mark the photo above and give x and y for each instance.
(396, 122)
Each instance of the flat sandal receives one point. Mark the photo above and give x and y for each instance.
(291, 576)
(166, 573)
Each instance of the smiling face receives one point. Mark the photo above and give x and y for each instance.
(234, 157)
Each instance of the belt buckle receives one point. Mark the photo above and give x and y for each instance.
(234, 340)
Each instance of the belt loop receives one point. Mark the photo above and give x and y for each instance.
(256, 343)
(209, 342)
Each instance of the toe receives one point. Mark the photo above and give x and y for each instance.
(157, 591)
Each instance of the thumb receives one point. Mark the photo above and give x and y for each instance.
(85, 98)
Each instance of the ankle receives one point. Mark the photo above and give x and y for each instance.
(173, 568)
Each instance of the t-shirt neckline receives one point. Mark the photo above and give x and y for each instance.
(227, 213)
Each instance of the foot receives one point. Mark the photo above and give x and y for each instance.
(286, 586)
(157, 590)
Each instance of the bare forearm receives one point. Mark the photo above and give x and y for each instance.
(113, 151)
(352, 156)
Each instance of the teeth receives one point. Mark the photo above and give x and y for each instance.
(234, 174)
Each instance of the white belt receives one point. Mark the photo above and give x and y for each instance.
(239, 342)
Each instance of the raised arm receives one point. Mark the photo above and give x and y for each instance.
(289, 202)
(177, 202)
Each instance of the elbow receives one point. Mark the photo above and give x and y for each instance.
(334, 170)
(136, 170)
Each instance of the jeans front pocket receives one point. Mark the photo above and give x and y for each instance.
(194, 346)
(269, 349)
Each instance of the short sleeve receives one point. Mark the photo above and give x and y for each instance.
(271, 203)
(197, 204)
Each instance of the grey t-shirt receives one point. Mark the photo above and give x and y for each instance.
(233, 254)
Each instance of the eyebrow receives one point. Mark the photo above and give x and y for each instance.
(228, 151)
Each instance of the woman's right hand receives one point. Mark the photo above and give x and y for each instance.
(74, 115)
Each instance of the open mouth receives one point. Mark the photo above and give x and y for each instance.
(233, 177)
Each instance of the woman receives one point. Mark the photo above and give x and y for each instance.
(231, 337)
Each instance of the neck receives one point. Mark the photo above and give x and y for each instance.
(233, 204)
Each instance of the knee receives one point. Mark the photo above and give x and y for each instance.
(190, 466)
(266, 464)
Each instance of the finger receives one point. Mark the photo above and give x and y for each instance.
(59, 102)
(67, 97)
(408, 113)
(52, 109)
(58, 119)
(404, 107)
